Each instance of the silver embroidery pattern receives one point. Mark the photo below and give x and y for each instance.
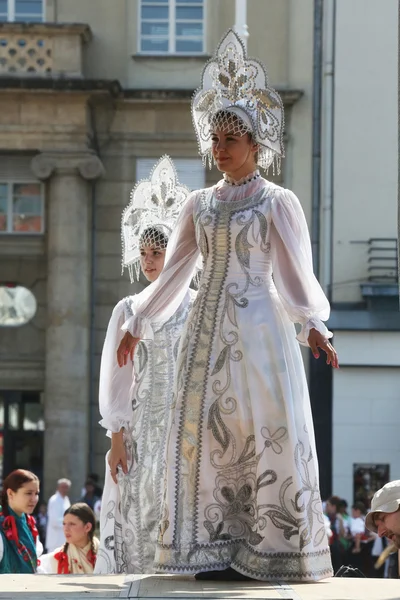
(252, 496)
(140, 492)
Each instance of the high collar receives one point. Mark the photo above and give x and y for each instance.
(246, 179)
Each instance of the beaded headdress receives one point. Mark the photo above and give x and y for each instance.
(234, 96)
(149, 218)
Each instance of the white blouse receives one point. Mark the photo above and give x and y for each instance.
(297, 286)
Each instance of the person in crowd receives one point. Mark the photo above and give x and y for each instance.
(90, 496)
(357, 526)
(78, 553)
(337, 549)
(20, 546)
(56, 508)
(98, 490)
(41, 522)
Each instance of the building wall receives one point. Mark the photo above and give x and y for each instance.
(124, 129)
(366, 137)
(365, 389)
(366, 395)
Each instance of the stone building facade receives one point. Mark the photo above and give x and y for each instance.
(84, 109)
(92, 92)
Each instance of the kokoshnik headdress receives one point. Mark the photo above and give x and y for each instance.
(234, 96)
(150, 217)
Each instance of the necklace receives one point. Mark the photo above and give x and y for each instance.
(243, 181)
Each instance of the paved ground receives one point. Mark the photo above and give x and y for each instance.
(72, 587)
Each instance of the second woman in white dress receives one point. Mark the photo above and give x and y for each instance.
(135, 403)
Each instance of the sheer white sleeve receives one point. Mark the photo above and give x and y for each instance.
(298, 288)
(160, 300)
(115, 383)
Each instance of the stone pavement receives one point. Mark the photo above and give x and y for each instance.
(165, 587)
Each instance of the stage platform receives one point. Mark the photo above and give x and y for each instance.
(92, 587)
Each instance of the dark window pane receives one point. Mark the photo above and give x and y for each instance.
(155, 12)
(189, 46)
(3, 7)
(28, 7)
(33, 417)
(189, 12)
(154, 45)
(189, 29)
(200, 2)
(155, 29)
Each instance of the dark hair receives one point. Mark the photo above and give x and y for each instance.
(14, 481)
(359, 506)
(156, 233)
(335, 501)
(84, 513)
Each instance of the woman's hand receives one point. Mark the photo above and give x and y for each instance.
(117, 455)
(317, 340)
(126, 348)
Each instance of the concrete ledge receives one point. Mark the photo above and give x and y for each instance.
(71, 587)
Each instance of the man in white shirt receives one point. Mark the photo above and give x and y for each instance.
(56, 508)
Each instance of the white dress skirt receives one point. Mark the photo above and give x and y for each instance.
(140, 402)
(242, 486)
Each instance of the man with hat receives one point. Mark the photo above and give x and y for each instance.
(384, 516)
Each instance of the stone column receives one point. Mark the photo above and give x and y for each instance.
(68, 230)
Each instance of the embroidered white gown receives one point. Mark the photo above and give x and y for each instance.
(242, 484)
(140, 401)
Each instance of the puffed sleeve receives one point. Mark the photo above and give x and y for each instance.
(160, 300)
(298, 288)
(115, 383)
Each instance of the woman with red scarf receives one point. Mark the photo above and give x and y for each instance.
(78, 554)
(19, 538)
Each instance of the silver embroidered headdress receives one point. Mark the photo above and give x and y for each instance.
(234, 96)
(150, 217)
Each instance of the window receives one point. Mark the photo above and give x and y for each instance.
(21, 198)
(171, 26)
(21, 208)
(190, 171)
(31, 11)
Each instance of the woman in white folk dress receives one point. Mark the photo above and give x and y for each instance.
(242, 490)
(135, 404)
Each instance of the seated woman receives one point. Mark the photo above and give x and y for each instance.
(19, 539)
(78, 554)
